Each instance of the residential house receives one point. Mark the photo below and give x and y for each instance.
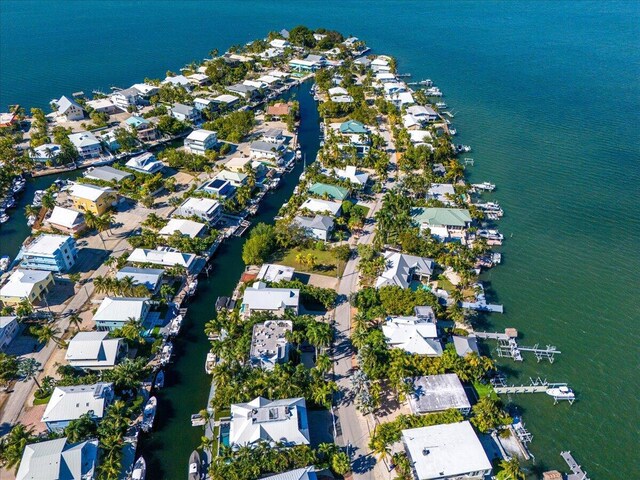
(56, 253)
(109, 140)
(333, 192)
(107, 174)
(443, 223)
(114, 312)
(273, 135)
(126, 98)
(255, 83)
(145, 90)
(317, 205)
(206, 209)
(351, 173)
(165, 257)
(92, 198)
(9, 328)
(66, 220)
(279, 43)
(69, 109)
(435, 452)
(421, 137)
(442, 192)
(237, 179)
(401, 99)
(410, 122)
(245, 91)
(185, 227)
(218, 187)
(437, 393)
(226, 101)
(465, 345)
(319, 226)
(199, 79)
(261, 420)
(70, 403)
(401, 269)
(259, 298)
(278, 111)
(146, 131)
(270, 272)
(414, 334)
(423, 113)
(239, 164)
(261, 149)
(203, 104)
(57, 459)
(269, 344)
(87, 145)
(200, 140)
(95, 351)
(270, 81)
(47, 152)
(299, 66)
(185, 113)
(145, 163)
(102, 105)
(357, 135)
(178, 81)
(149, 277)
(391, 88)
(380, 64)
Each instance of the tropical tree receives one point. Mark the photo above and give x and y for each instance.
(45, 333)
(487, 415)
(340, 463)
(24, 308)
(80, 429)
(510, 470)
(13, 445)
(28, 369)
(166, 292)
(9, 368)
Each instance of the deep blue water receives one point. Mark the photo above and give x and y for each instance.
(547, 93)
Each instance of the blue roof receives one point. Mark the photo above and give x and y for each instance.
(136, 121)
(353, 126)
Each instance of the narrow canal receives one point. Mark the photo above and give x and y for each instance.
(167, 449)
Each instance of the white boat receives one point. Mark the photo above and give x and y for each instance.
(490, 234)
(441, 105)
(4, 218)
(176, 324)
(159, 380)
(192, 287)
(31, 220)
(139, 471)
(561, 393)
(452, 131)
(489, 187)
(298, 154)
(149, 414)
(210, 362)
(195, 464)
(165, 354)
(5, 261)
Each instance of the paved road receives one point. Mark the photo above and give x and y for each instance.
(353, 428)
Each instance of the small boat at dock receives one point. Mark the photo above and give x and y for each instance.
(3, 217)
(5, 261)
(192, 287)
(175, 325)
(158, 383)
(165, 354)
(561, 393)
(210, 362)
(195, 466)
(485, 186)
(139, 471)
(149, 414)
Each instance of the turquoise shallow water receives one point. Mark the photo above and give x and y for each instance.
(548, 95)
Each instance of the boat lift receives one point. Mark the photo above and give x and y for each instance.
(508, 346)
(535, 386)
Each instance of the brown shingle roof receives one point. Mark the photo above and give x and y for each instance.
(279, 109)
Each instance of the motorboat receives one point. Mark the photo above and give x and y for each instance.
(561, 393)
(195, 466)
(158, 383)
(175, 325)
(165, 354)
(9, 202)
(441, 105)
(139, 471)
(5, 261)
(149, 414)
(31, 220)
(210, 362)
(490, 234)
(4, 217)
(486, 186)
(192, 287)
(298, 154)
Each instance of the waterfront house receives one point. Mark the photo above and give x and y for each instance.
(270, 272)
(124, 99)
(255, 83)
(401, 99)
(107, 174)
(333, 192)
(66, 220)
(262, 149)
(218, 187)
(200, 140)
(442, 192)
(137, 123)
(410, 122)
(318, 226)
(185, 113)
(279, 43)
(70, 403)
(206, 209)
(421, 137)
(30, 285)
(198, 79)
(69, 109)
(203, 104)
(178, 81)
(351, 173)
(317, 205)
(57, 459)
(414, 334)
(226, 101)
(87, 145)
(149, 277)
(446, 452)
(8, 330)
(356, 135)
(240, 164)
(278, 111)
(47, 152)
(56, 253)
(443, 223)
(273, 135)
(102, 105)
(164, 257)
(95, 351)
(145, 90)
(380, 64)
(424, 113)
(269, 344)
(92, 198)
(276, 301)
(145, 163)
(391, 88)
(145, 130)
(114, 312)
(185, 227)
(437, 393)
(401, 269)
(8, 119)
(237, 179)
(245, 91)
(270, 81)
(261, 420)
(109, 140)
(465, 345)
(300, 66)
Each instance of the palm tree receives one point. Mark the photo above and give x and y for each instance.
(44, 333)
(110, 262)
(510, 470)
(13, 444)
(75, 320)
(132, 331)
(323, 363)
(101, 284)
(28, 369)
(48, 201)
(166, 292)
(24, 308)
(126, 286)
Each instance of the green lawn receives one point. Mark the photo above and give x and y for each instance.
(485, 389)
(41, 401)
(326, 263)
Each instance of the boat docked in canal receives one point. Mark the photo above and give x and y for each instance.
(158, 383)
(139, 471)
(149, 414)
(195, 466)
(561, 393)
(5, 261)
(165, 353)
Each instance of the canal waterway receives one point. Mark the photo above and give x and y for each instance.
(168, 447)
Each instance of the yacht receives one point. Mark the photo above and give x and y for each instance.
(486, 186)
(149, 414)
(174, 326)
(31, 220)
(561, 393)
(210, 362)
(5, 261)
(192, 287)
(139, 469)
(195, 464)
(165, 354)
(491, 234)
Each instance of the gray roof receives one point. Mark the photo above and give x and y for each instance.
(269, 343)
(183, 109)
(319, 222)
(465, 345)
(128, 92)
(258, 297)
(436, 393)
(58, 460)
(108, 174)
(65, 103)
(273, 132)
(261, 146)
(149, 277)
(241, 88)
(70, 403)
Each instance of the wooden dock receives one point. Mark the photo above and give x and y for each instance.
(521, 389)
(576, 470)
(508, 346)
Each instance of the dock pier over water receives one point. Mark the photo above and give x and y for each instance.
(508, 346)
(576, 470)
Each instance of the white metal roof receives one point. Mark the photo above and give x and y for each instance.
(93, 347)
(83, 139)
(318, 205)
(270, 272)
(259, 297)
(21, 282)
(200, 135)
(202, 205)
(226, 98)
(65, 217)
(88, 191)
(399, 268)
(161, 257)
(46, 244)
(306, 473)
(121, 309)
(186, 227)
(444, 451)
(57, 460)
(70, 403)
